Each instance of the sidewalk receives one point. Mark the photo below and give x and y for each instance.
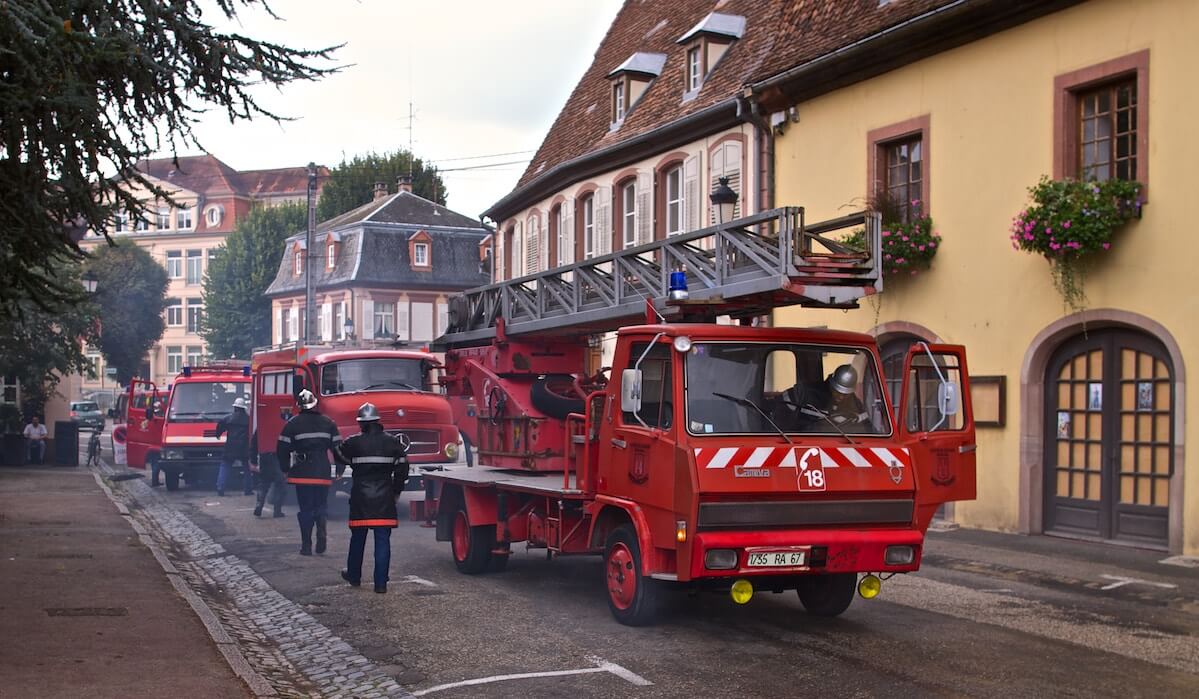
(87, 611)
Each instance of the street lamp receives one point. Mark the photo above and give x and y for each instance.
(724, 199)
(90, 280)
(349, 328)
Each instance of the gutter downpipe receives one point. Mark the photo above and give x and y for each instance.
(750, 111)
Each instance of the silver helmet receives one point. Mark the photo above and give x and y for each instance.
(306, 399)
(239, 402)
(844, 379)
(368, 413)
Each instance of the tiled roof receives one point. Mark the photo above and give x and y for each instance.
(402, 207)
(283, 180)
(203, 174)
(778, 34)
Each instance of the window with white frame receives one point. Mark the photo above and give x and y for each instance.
(195, 266)
(183, 218)
(162, 218)
(339, 320)
(174, 359)
(589, 247)
(674, 201)
(694, 68)
(213, 215)
(174, 264)
(195, 309)
(299, 262)
(628, 213)
(563, 235)
(8, 389)
(331, 254)
(194, 354)
(142, 224)
(175, 312)
(618, 101)
(385, 314)
(420, 254)
(120, 221)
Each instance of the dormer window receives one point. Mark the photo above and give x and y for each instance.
(330, 254)
(299, 262)
(630, 80)
(420, 254)
(706, 44)
(420, 251)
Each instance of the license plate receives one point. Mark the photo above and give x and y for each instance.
(776, 559)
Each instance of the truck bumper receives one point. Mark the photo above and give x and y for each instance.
(825, 551)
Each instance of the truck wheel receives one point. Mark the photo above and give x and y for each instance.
(555, 396)
(632, 597)
(827, 595)
(172, 479)
(471, 545)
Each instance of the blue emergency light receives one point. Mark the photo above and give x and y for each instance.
(245, 371)
(187, 371)
(678, 286)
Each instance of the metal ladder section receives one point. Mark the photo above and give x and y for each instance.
(743, 268)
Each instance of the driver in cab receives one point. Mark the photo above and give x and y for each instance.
(832, 401)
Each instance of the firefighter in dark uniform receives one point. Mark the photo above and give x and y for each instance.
(303, 454)
(380, 469)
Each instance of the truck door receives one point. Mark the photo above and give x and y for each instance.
(275, 386)
(937, 424)
(643, 439)
(143, 431)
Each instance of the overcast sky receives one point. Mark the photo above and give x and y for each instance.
(485, 77)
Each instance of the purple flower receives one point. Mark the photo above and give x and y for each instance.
(1054, 246)
(1028, 236)
(1107, 246)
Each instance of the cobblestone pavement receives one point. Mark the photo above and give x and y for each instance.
(296, 654)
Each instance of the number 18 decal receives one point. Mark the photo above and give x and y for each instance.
(811, 471)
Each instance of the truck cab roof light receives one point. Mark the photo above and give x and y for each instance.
(187, 371)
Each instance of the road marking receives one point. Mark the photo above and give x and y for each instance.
(1181, 561)
(601, 666)
(417, 581)
(1121, 581)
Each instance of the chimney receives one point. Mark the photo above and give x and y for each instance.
(380, 190)
(404, 183)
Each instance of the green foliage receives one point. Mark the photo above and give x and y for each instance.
(10, 419)
(90, 87)
(46, 345)
(908, 246)
(237, 312)
(131, 295)
(352, 184)
(1068, 220)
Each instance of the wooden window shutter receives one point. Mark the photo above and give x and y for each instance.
(732, 170)
(645, 207)
(402, 320)
(499, 254)
(603, 221)
(692, 201)
(533, 245)
(366, 322)
(280, 327)
(326, 321)
(566, 233)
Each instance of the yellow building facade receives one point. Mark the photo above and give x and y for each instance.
(991, 117)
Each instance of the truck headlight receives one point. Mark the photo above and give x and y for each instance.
(451, 451)
(720, 559)
(899, 555)
(172, 454)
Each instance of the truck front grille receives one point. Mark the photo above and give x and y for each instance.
(739, 515)
(422, 441)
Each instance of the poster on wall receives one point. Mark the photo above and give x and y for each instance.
(1063, 425)
(1144, 396)
(1095, 396)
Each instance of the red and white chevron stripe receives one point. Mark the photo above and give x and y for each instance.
(784, 457)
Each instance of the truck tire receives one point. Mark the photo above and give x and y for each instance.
(554, 395)
(172, 479)
(632, 597)
(471, 545)
(827, 595)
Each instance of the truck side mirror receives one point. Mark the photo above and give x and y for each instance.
(630, 390)
(948, 401)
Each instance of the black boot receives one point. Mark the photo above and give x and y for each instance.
(305, 539)
(278, 511)
(258, 510)
(345, 575)
(320, 534)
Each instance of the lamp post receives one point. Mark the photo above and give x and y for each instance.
(724, 198)
(309, 292)
(90, 280)
(349, 328)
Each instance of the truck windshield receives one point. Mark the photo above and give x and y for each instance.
(804, 389)
(383, 374)
(204, 401)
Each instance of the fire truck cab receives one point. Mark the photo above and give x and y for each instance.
(200, 397)
(402, 384)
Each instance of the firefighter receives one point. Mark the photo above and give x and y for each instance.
(269, 477)
(237, 444)
(380, 469)
(303, 453)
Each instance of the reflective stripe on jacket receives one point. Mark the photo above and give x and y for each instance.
(303, 448)
(380, 470)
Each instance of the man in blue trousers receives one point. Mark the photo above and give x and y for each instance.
(303, 454)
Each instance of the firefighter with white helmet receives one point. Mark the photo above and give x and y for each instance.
(303, 453)
(380, 470)
(236, 427)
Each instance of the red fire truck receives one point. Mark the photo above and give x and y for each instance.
(732, 457)
(400, 383)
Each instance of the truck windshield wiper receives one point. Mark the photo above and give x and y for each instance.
(817, 411)
(401, 384)
(750, 403)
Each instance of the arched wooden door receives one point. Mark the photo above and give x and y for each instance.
(1109, 447)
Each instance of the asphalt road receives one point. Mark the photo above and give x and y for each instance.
(989, 616)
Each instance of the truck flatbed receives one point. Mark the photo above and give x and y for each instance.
(538, 483)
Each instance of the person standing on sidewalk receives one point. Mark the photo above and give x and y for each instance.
(303, 453)
(266, 468)
(236, 427)
(380, 470)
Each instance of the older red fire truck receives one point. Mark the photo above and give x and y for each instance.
(401, 384)
(717, 456)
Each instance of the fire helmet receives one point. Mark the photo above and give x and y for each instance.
(306, 399)
(368, 413)
(844, 379)
(239, 402)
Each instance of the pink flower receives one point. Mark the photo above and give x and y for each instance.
(900, 261)
(1049, 230)
(1029, 236)
(887, 256)
(1015, 246)
(904, 237)
(921, 248)
(1066, 224)
(1054, 246)
(933, 244)
(913, 273)
(1107, 246)
(886, 234)
(915, 202)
